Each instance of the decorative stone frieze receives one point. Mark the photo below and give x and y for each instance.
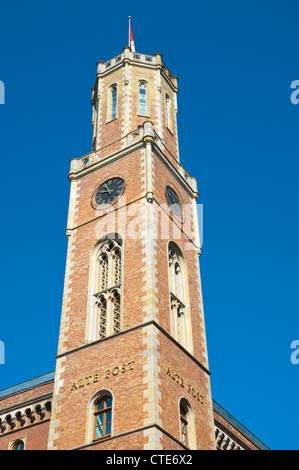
(226, 442)
(26, 415)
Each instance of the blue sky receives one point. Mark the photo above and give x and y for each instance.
(238, 135)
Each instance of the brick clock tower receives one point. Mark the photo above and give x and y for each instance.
(132, 368)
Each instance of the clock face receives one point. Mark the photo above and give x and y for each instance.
(173, 201)
(108, 191)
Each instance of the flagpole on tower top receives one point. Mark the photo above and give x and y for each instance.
(129, 43)
(131, 40)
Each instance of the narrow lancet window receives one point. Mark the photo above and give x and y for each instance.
(113, 102)
(167, 110)
(179, 308)
(187, 424)
(142, 99)
(184, 423)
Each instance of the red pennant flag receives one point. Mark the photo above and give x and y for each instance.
(131, 39)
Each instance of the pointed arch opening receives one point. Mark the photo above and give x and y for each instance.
(104, 316)
(143, 98)
(168, 112)
(180, 318)
(112, 108)
(187, 424)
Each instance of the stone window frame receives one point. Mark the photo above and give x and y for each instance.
(112, 87)
(190, 418)
(90, 421)
(145, 84)
(107, 296)
(184, 424)
(168, 111)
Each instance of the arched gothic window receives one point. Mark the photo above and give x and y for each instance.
(113, 102)
(107, 288)
(187, 424)
(184, 423)
(143, 98)
(180, 310)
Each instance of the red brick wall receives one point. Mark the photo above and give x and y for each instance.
(26, 395)
(126, 387)
(173, 389)
(134, 441)
(36, 437)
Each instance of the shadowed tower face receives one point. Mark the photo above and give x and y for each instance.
(132, 368)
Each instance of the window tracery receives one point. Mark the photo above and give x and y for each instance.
(108, 298)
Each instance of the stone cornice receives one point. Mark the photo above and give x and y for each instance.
(130, 330)
(148, 134)
(133, 431)
(105, 161)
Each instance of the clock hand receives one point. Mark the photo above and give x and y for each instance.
(108, 190)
